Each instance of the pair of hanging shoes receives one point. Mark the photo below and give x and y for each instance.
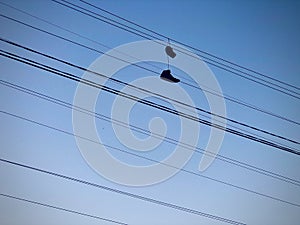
(167, 76)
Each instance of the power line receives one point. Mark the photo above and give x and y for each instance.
(175, 41)
(189, 46)
(107, 20)
(117, 191)
(74, 42)
(150, 92)
(140, 130)
(143, 101)
(227, 97)
(60, 208)
(242, 103)
(214, 93)
(222, 66)
(243, 124)
(155, 161)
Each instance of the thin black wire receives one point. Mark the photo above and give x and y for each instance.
(240, 102)
(61, 209)
(150, 92)
(213, 62)
(119, 17)
(57, 26)
(146, 132)
(117, 191)
(153, 160)
(76, 43)
(227, 97)
(189, 46)
(84, 46)
(106, 20)
(236, 72)
(143, 101)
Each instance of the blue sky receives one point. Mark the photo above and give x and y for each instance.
(262, 35)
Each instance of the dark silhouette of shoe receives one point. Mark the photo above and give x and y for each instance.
(170, 52)
(167, 76)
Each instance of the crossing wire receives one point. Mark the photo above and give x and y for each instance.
(222, 95)
(61, 208)
(143, 101)
(117, 191)
(146, 132)
(222, 66)
(141, 67)
(1, 194)
(189, 46)
(155, 161)
(175, 41)
(149, 92)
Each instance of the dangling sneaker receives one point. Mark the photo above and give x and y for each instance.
(167, 76)
(170, 52)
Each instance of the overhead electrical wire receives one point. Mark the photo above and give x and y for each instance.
(150, 92)
(58, 72)
(154, 72)
(227, 68)
(146, 132)
(141, 67)
(153, 160)
(189, 46)
(143, 101)
(128, 194)
(245, 104)
(183, 44)
(227, 97)
(60, 208)
(211, 62)
(222, 95)
(74, 42)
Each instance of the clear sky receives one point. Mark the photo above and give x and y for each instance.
(261, 35)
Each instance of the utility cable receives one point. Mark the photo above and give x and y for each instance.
(189, 46)
(213, 62)
(117, 191)
(143, 101)
(243, 103)
(74, 42)
(150, 92)
(153, 160)
(221, 95)
(141, 67)
(147, 132)
(61, 208)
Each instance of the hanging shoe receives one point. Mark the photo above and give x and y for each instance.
(170, 52)
(167, 76)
